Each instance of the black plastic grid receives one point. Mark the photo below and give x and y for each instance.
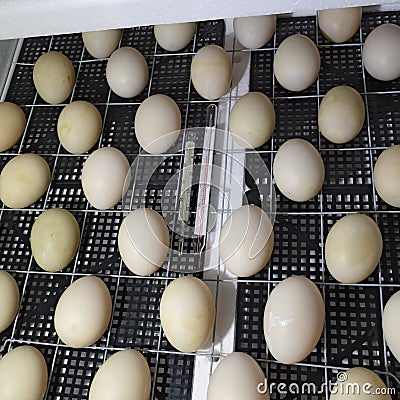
(298, 246)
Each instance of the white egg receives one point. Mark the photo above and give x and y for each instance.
(353, 248)
(246, 241)
(340, 24)
(237, 377)
(298, 170)
(124, 376)
(157, 123)
(254, 32)
(391, 324)
(24, 180)
(9, 300)
(23, 374)
(143, 241)
(83, 312)
(127, 72)
(54, 239)
(100, 44)
(381, 52)
(54, 77)
(174, 37)
(105, 177)
(293, 319)
(359, 384)
(252, 120)
(297, 63)
(12, 125)
(187, 313)
(387, 175)
(341, 114)
(211, 72)
(79, 126)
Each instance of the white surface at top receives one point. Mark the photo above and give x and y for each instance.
(23, 18)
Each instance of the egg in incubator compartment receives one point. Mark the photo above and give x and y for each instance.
(124, 376)
(143, 241)
(23, 374)
(174, 37)
(79, 126)
(381, 52)
(100, 44)
(298, 170)
(83, 312)
(391, 324)
(54, 77)
(387, 175)
(297, 63)
(187, 313)
(246, 241)
(12, 124)
(254, 32)
(9, 300)
(340, 24)
(127, 72)
(157, 123)
(294, 318)
(252, 120)
(105, 177)
(24, 180)
(237, 377)
(353, 248)
(211, 72)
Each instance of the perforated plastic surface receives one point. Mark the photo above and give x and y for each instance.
(352, 335)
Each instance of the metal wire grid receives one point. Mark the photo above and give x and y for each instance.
(353, 312)
(135, 321)
(353, 333)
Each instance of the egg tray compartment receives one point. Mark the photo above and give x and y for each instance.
(353, 333)
(135, 321)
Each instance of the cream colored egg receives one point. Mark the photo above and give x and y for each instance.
(9, 300)
(12, 125)
(340, 24)
(187, 313)
(157, 123)
(381, 52)
(298, 170)
(359, 384)
(23, 374)
(211, 72)
(54, 239)
(252, 120)
(100, 44)
(79, 127)
(391, 324)
(54, 77)
(353, 248)
(254, 32)
(341, 114)
(297, 63)
(83, 312)
(387, 176)
(143, 241)
(124, 376)
(246, 241)
(127, 72)
(24, 180)
(237, 377)
(105, 175)
(293, 319)
(174, 37)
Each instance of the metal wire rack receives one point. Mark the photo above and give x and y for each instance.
(352, 334)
